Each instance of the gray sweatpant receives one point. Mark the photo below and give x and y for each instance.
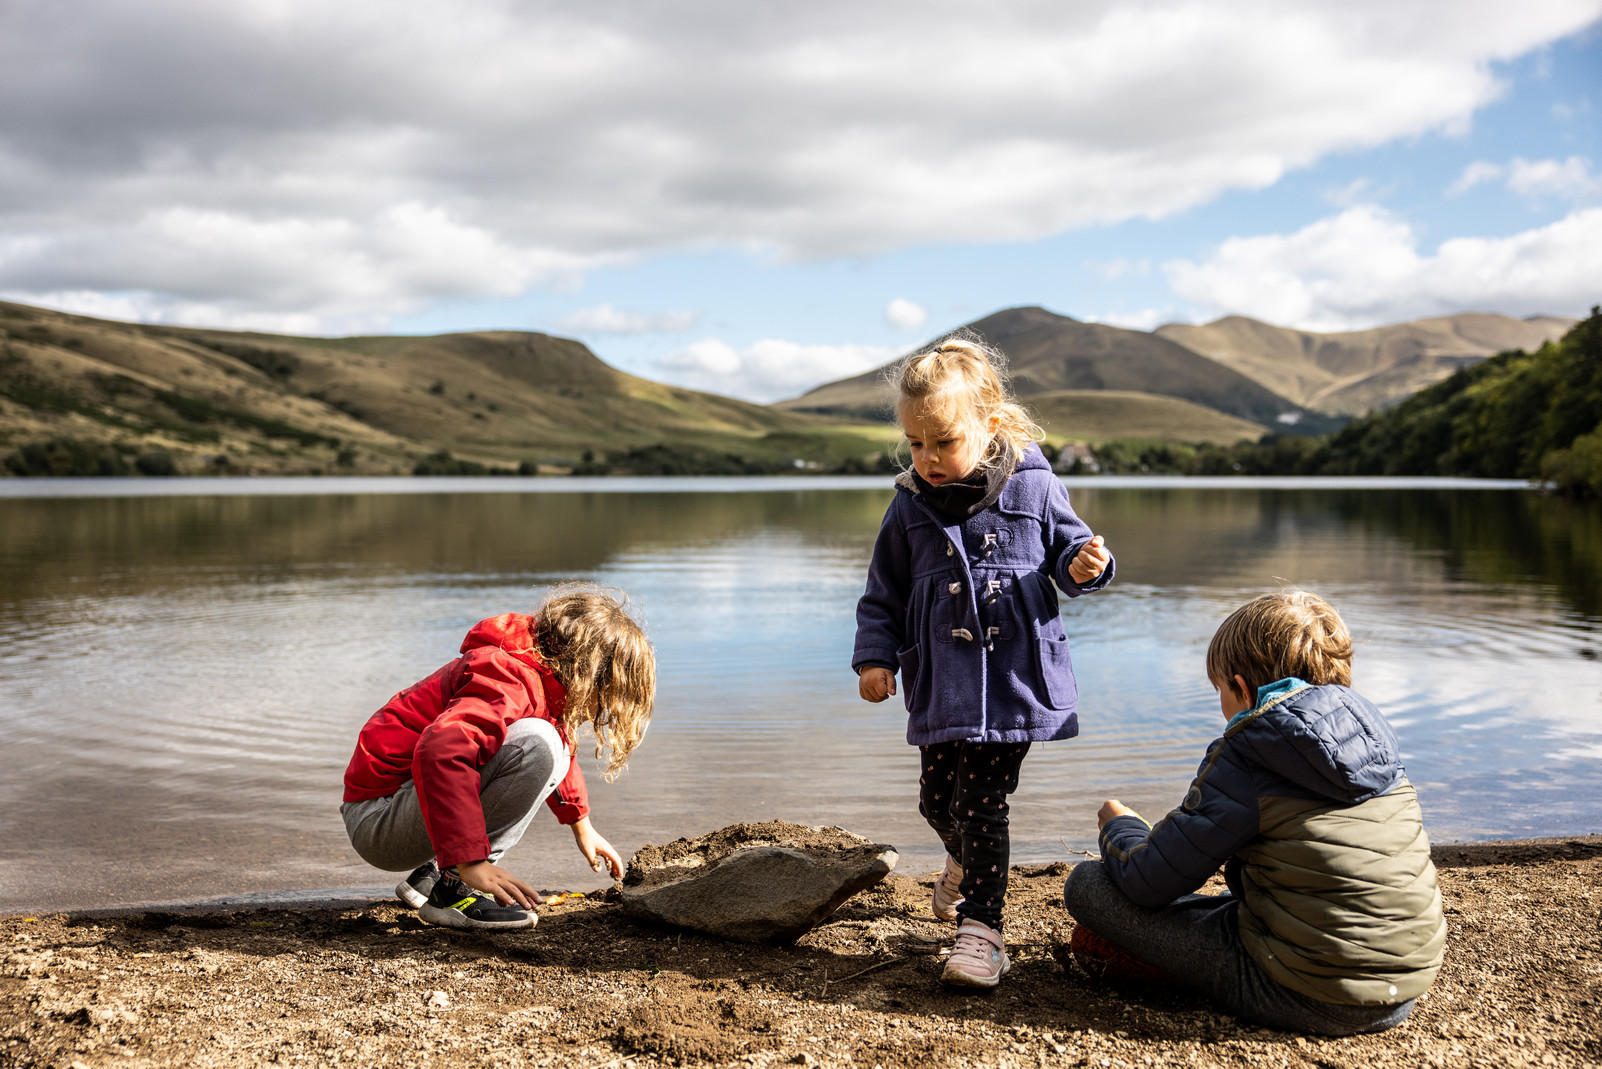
(1196, 940)
(389, 834)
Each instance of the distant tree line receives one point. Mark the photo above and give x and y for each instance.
(677, 460)
(64, 455)
(1517, 415)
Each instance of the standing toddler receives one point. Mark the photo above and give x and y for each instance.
(960, 600)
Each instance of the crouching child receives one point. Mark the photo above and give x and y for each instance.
(1333, 924)
(449, 773)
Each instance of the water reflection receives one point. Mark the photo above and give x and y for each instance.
(181, 678)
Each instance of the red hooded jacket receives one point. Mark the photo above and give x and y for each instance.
(437, 733)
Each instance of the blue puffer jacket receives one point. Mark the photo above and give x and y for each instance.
(1305, 798)
(968, 615)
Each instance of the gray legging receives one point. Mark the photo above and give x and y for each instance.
(1196, 940)
(389, 834)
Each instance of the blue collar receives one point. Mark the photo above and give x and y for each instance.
(1272, 694)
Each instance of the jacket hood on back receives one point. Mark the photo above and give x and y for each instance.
(510, 631)
(1328, 740)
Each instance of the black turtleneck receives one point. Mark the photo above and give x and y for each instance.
(957, 501)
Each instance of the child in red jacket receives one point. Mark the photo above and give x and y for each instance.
(448, 774)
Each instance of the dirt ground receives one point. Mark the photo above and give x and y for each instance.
(365, 984)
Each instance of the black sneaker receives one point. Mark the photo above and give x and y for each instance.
(413, 890)
(453, 904)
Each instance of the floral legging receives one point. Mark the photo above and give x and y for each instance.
(963, 795)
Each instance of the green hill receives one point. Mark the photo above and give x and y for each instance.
(1517, 415)
(209, 400)
(1355, 371)
(1100, 415)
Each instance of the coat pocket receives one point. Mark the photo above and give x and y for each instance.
(1059, 688)
(911, 661)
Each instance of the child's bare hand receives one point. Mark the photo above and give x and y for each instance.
(1112, 807)
(875, 684)
(596, 850)
(1090, 561)
(490, 878)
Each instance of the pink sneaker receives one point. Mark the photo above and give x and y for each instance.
(947, 892)
(979, 959)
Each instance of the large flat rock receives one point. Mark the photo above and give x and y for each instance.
(753, 883)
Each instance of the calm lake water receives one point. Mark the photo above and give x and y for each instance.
(182, 676)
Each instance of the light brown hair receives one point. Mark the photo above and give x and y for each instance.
(1289, 633)
(586, 636)
(959, 383)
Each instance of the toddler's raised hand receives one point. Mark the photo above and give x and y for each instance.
(1090, 561)
(875, 684)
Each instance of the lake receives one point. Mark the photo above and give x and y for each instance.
(184, 664)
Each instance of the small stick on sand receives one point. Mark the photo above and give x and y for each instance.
(853, 976)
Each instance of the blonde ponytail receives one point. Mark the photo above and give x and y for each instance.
(959, 382)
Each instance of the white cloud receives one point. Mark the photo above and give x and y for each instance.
(905, 315)
(1113, 270)
(769, 370)
(1477, 173)
(605, 319)
(354, 161)
(1569, 179)
(230, 268)
(1145, 319)
(1358, 189)
(1363, 267)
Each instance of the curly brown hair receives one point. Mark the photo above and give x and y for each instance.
(585, 634)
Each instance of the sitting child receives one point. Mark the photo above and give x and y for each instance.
(448, 774)
(1334, 922)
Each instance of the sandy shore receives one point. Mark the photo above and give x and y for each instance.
(364, 984)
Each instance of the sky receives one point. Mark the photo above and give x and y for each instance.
(755, 199)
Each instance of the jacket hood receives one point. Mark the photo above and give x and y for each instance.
(1328, 740)
(511, 632)
(1032, 458)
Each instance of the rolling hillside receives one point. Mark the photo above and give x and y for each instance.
(1049, 353)
(110, 397)
(223, 400)
(1353, 372)
(1101, 415)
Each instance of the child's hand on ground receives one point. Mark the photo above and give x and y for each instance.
(1090, 561)
(490, 878)
(875, 684)
(1112, 807)
(596, 850)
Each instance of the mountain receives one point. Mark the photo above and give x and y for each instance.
(1516, 415)
(1049, 353)
(1355, 371)
(252, 402)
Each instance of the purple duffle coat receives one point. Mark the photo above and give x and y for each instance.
(967, 613)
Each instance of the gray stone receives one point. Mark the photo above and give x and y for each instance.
(753, 883)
